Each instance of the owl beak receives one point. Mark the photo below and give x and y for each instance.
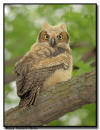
(53, 42)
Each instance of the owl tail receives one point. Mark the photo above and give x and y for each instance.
(29, 98)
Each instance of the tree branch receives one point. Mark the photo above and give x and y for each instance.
(9, 78)
(88, 55)
(12, 61)
(56, 101)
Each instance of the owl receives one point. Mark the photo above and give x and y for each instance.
(48, 62)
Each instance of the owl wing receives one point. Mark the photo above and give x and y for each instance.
(26, 81)
(66, 60)
(23, 68)
(30, 77)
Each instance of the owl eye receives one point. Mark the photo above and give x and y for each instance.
(60, 37)
(46, 36)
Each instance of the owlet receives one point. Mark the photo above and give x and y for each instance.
(48, 62)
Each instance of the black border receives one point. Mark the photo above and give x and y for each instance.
(50, 127)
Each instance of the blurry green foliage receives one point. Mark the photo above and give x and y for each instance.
(87, 116)
(22, 26)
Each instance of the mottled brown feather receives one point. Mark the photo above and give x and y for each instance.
(30, 76)
(29, 81)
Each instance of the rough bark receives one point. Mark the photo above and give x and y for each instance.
(56, 101)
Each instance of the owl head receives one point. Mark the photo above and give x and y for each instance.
(54, 36)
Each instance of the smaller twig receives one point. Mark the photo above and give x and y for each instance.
(80, 44)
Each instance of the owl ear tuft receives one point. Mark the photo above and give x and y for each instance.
(67, 37)
(46, 25)
(63, 26)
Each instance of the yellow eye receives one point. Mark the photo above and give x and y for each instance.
(46, 36)
(60, 37)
